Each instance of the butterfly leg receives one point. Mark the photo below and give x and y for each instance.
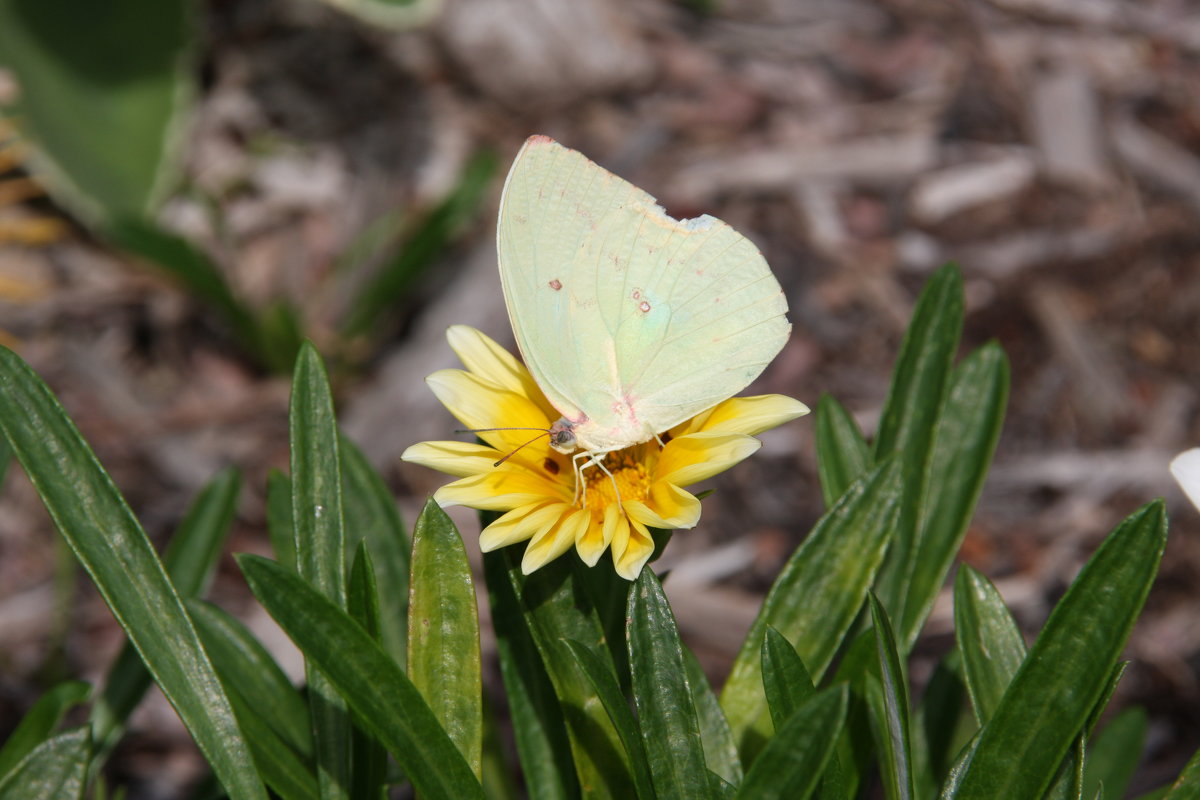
(594, 458)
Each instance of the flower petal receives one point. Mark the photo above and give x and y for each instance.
(697, 456)
(635, 550)
(482, 356)
(547, 545)
(667, 507)
(752, 415)
(502, 489)
(519, 524)
(453, 458)
(1186, 469)
(596, 537)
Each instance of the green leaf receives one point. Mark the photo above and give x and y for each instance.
(609, 692)
(946, 721)
(790, 766)
(1071, 772)
(537, 717)
(395, 14)
(280, 529)
(906, 426)
(1070, 665)
(443, 632)
(282, 768)
(107, 539)
(1115, 754)
(371, 516)
(964, 441)
(6, 457)
(670, 727)
(720, 751)
(54, 770)
(40, 721)
(842, 453)
(103, 106)
(816, 597)
(320, 549)
(786, 681)
(499, 775)
(1187, 785)
(988, 637)
(189, 561)
(892, 712)
(368, 757)
(384, 700)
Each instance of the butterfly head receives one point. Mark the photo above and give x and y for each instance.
(562, 436)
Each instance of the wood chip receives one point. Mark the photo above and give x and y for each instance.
(941, 194)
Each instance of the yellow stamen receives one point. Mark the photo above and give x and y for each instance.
(629, 477)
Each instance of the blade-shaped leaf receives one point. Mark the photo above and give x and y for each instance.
(842, 453)
(54, 770)
(443, 631)
(368, 758)
(790, 766)
(107, 539)
(893, 715)
(383, 698)
(988, 638)
(670, 727)
(830, 571)
(40, 721)
(1070, 665)
(1115, 753)
(946, 720)
(1187, 785)
(720, 751)
(786, 681)
(284, 770)
(320, 549)
(280, 529)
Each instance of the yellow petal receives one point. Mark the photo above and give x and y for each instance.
(594, 538)
(482, 356)
(752, 415)
(636, 550)
(519, 524)
(453, 458)
(697, 456)
(547, 545)
(501, 489)
(667, 507)
(479, 403)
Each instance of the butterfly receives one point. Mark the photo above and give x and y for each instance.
(629, 320)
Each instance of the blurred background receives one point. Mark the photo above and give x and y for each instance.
(187, 190)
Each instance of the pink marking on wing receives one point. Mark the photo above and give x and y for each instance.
(556, 284)
(644, 307)
(539, 138)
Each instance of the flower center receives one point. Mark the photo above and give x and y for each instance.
(628, 474)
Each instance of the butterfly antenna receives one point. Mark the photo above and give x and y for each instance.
(488, 430)
(531, 441)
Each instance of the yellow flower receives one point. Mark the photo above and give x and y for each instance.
(535, 485)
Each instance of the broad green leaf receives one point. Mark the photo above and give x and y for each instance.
(790, 766)
(842, 452)
(906, 426)
(280, 529)
(320, 550)
(189, 560)
(816, 597)
(443, 631)
(537, 717)
(964, 440)
(989, 640)
(40, 721)
(1070, 665)
(893, 713)
(368, 758)
(103, 104)
(371, 515)
(106, 538)
(669, 725)
(1115, 753)
(609, 692)
(786, 681)
(384, 700)
(720, 751)
(54, 770)
(242, 661)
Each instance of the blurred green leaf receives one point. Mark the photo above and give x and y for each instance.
(320, 550)
(946, 720)
(395, 14)
(989, 640)
(443, 631)
(720, 751)
(107, 539)
(372, 517)
(499, 775)
(786, 681)
(669, 725)
(40, 721)
(964, 441)
(1187, 785)
(384, 700)
(893, 716)
(6, 457)
(103, 91)
(1070, 665)
(368, 757)
(790, 766)
(280, 529)
(906, 426)
(831, 571)
(842, 452)
(54, 770)
(279, 333)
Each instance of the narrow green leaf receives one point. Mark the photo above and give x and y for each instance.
(499, 776)
(893, 719)
(320, 550)
(107, 539)
(242, 661)
(786, 681)
(384, 700)
(988, 637)
(790, 766)
(443, 631)
(54, 770)
(906, 426)
(537, 717)
(964, 441)
(1187, 785)
(284, 770)
(280, 529)
(946, 719)
(371, 516)
(40, 721)
(1115, 754)
(609, 692)
(368, 758)
(842, 453)
(816, 597)
(1069, 784)
(1070, 665)
(720, 751)
(670, 727)
(6, 457)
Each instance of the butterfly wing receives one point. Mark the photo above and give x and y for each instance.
(630, 321)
